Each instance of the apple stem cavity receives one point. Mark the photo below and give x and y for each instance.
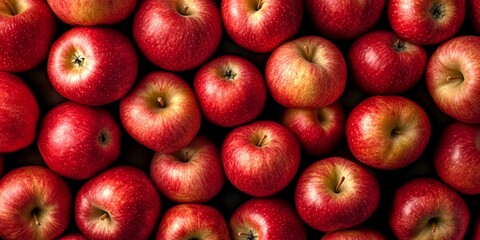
(437, 11)
(399, 46)
(229, 74)
(449, 78)
(161, 102)
(185, 159)
(10, 8)
(337, 188)
(262, 141)
(104, 216)
(249, 235)
(307, 52)
(78, 60)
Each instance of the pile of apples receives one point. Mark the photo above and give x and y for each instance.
(239, 119)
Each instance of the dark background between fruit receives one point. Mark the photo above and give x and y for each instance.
(229, 198)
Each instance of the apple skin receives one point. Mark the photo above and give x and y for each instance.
(266, 218)
(27, 29)
(426, 22)
(161, 112)
(92, 12)
(73, 236)
(30, 193)
(127, 200)
(78, 141)
(194, 174)
(230, 90)
(173, 39)
(308, 72)
(382, 63)
(260, 158)
(20, 113)
(324, 208)
(419, 203)
(319, 130)
(452, 78)
(345, 19)
(92, 65)
(192, 221)
(261, 25)
(473, 13)
(355, 233)
(387, 132)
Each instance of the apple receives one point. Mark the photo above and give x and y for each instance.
(92, 65)
(20, 113)
(27, 29)
(92, 12)
(266, 218)
(119, 203)
(35, 204)
(452, 78)
(473, 13)
(161, 112)
(335, 193)
(192, 221)
(346, 19)
(260, 158)
(382, 63)
(78, 141)
(177, 35)
(426, 22)
(308, 72)
(261, 25)
(425, 208)
(387, 132)
(230, 91)
(318, 130)
(192, 174)
(355, 233)
(72, 236)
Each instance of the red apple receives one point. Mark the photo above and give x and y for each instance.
(72, 236)
(387, 132)
(425, 208)
(27, 29)
(35, 204)
(93, 66)
(382, 63)
(192, 221)
(230, 91)
(78, 141)
(177, 35)
(261, 25)
(335, 193)
(161, 112)
(260, 158)
(19, 111)
(308, 72)
(119, 203)
(426, 22)
(473, 12)
(355, 233)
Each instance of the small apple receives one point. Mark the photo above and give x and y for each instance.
(355, 233)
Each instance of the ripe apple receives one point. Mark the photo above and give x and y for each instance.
(308, 72)
(473, 12)
(261, 25)
(161, 112)
(260, 158)
(27, 29)
(355, 233)
(387, 132)
(230, 91)
(92, 12)
(78, 141)
(335, 193)
(93, 66)
(177, 35)
(425, 208)
(453, 78)
(345, 19)
(192, 221)
(382, 63)
(317, 130)
(19, 113)
(119, 203)
(73, 236)
(35, 204)
(426, 22)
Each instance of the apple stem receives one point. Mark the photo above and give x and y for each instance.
(104, 216)
(229, 75)
(454, 78)
(434, 226)
(262, 140)
(185, 159)
(185, 9)
(10, 7)
(337, 188)
(36, 219)
(307, 51)
(161, 102)
(249, 235)
(259, 4)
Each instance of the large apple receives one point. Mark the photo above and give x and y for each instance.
(119, 203)
(425, 208)
(230, 91)
(355, 233)
(93, 66)
(308, 72)
(387, 132)
(27, 29)
(161, 112)
(19, 113)
(35, 204)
